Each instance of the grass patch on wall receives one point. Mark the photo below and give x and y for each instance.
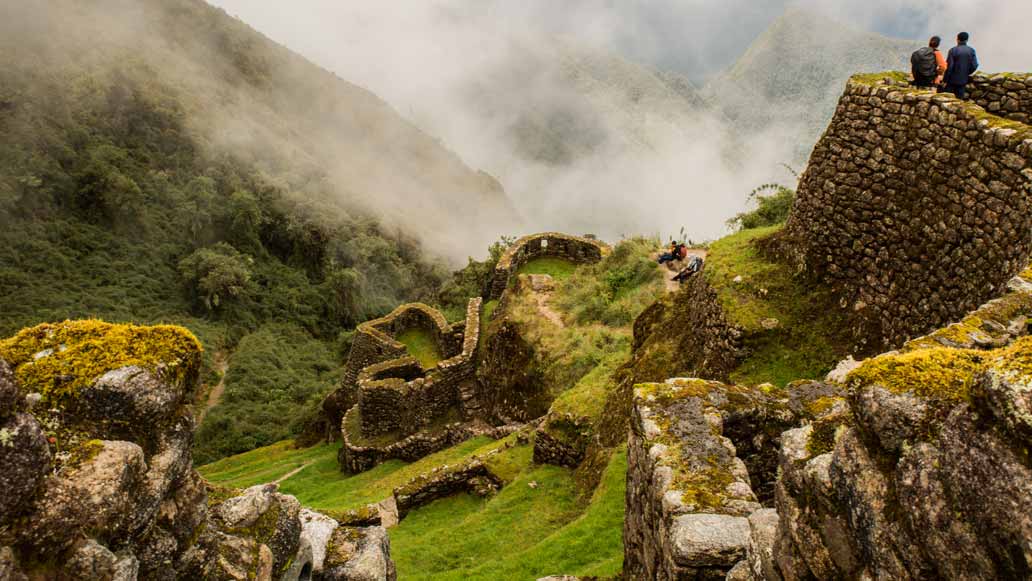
(794, 330)
(557, 268)
(421, 345)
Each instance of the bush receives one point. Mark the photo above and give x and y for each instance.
(614, 291)
(771, 209)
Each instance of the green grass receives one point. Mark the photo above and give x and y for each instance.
(811, 334)
(557, 268)
(322, 485)
(587, 399)
(523, 533)
(421, 345)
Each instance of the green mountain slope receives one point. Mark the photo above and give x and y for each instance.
(161, 161)
(792, 76)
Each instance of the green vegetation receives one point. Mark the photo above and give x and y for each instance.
(771, 209)
(523, 533)
(614, 291)
(587, 399)
(557, 268)
(473, 280)
(277, 376)
(421, 345)
(793, 329)
(57, 360)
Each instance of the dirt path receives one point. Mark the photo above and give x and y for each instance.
(221, 363)
(542, 287)
(668, 273)
(293, 472)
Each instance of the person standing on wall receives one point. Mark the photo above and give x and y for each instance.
(927, 65)
(960, 65)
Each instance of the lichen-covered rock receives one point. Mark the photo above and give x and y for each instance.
(688, 493)
(98, 483)
(25, 460)
(763, 533)
(358, 555)
(925, 477)
(97, 495)
(10, 395)
(133, 395)
(91, 560)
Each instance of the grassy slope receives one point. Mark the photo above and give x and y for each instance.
(520, 533)
(809, 338)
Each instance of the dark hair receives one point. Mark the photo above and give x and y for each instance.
(963, 37)
(935, 42)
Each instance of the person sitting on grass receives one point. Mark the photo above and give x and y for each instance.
(694, 266)
(674, 254)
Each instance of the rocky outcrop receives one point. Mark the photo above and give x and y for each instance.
(98, 475)
(915, 207)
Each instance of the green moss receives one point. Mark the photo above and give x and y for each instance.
(822, 437)
(821, 406)
(58, 359)
(876, 78)
(421, 345)
(704, 489)
(84, 452)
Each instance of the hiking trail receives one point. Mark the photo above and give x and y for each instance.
(221, 364)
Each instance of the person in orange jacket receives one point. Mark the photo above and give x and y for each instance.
(928, 65)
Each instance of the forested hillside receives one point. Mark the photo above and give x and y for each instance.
(163, 162)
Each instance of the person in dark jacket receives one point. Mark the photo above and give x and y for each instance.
(961, 63)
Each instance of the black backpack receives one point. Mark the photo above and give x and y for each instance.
(924, 63)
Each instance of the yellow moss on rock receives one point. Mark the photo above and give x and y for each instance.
(58, 359)
(942, 372)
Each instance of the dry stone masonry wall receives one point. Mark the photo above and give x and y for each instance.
(576, 249)
(1006, 95)
(399, 397)
(915, 206)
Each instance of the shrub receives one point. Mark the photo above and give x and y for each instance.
(771, 209)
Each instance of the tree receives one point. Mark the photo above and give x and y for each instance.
(217, 274)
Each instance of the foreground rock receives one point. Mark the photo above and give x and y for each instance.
(98, 478)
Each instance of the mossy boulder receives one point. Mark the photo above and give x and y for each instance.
(58, 360)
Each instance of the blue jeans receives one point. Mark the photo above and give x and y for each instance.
(959, 90)
(666, 257)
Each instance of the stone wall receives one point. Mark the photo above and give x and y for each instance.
(914, 208)
(374, 343)
(1008, 95)
(398, 396)
(354, 457)
(691, 333)
(573, 248)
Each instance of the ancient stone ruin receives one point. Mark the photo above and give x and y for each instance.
(576, 249)
(909, 465)
(98, 480)
(915, 206)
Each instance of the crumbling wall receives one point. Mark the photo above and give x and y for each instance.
(576, 249)
(1007, 95)
(915, 206)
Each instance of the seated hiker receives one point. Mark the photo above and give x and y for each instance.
(670, 256)
(694, 266)
(928, 65)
